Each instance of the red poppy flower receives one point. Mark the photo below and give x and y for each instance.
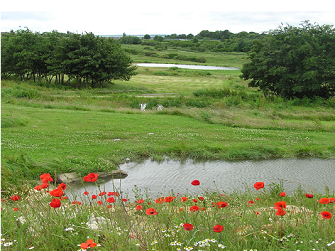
(109, 206)
(331, 200)
(55, 203)
(280, 211)
(281, 204)
(45, 185)
(151, 211)
(58, 192)
(62, 186)
(15, 198)
(250, 202)
(257, 198)
(3, 200)
(38, 187)
(76, 202)
(309, 195)
(195, 183)
(91, 177)
(15, 209)
(181, 209)
(110, 200)
(183, 199)
(124, 200)
(99, 202)
(86, 193)
(201, 198)
(64, 198)
(259, 185)
(94, 197)
(194, 208)
(203, 209)
(256, 212)
(89, 244)
(46, 177)
(324, 201)
(188, 227)
(326, 215)
(113, 194)
(282, 194)
(159, 200)
(139, 207)
(140, 201)
(168, 199)
(195, 200)
(102, 193)
(222, 204)
(218, 228)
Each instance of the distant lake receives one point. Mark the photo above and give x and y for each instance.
(185, 66)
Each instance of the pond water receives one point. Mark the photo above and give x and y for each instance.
(312, 175)
(194, 67)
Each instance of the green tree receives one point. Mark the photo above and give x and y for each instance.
(24, 54)
(146, 36)
(294, 62)
(93, 61)
(190, 36)
(158, 38)
(182, 36)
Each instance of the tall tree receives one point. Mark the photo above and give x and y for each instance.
(294, 62)
(93, 61)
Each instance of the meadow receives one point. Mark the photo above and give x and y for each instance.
(193, 114)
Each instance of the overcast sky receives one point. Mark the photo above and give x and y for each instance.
(141, 17)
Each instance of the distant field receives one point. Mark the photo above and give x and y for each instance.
(226, 59)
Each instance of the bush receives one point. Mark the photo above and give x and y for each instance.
(23, 92)
(151, 54)
(197, 103)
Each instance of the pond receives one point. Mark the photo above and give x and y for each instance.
(194, 67)
(312, 175)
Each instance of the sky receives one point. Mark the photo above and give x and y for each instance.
(110, 17)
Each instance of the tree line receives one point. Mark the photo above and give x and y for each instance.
(215, 41)
(86, 59)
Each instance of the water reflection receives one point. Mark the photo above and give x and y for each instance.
(313, 175)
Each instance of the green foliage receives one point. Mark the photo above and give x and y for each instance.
(158, 38)
(294, 62)
(151, 54)
(198, 103)
(130, 40)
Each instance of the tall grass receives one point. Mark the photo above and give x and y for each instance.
(109, 220)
